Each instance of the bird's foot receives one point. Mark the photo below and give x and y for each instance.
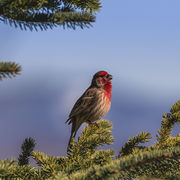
(94, 124)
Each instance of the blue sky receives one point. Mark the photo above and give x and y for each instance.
(138, 42)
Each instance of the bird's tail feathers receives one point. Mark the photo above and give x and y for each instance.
(69, 121)
(75, 126)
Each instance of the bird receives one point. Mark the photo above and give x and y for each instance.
(93, 104)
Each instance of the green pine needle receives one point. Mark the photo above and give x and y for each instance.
(26, 148)
(167, 123)
(44, 14)
(133, 143)
(9, 69)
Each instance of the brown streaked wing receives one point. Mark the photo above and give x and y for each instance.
(83, 102)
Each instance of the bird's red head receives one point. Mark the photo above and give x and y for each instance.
(102, 80)
(104, 75)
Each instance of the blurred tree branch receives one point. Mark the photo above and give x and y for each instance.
(31, 14)
(9, 69)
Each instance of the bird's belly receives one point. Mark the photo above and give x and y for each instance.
(101, 109)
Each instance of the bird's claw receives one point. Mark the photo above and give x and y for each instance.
(94, 124)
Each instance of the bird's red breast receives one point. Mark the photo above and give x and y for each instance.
(107, 89)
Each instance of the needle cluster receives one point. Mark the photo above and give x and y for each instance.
(44, 14)
(9, 69)
(84, 160)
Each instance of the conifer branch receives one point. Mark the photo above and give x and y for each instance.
(133, 142)
(91, 137)
(175, 112)
(71, 19)
(100, 157)
(142, 164)
(9, 69)
(46, 14)
(91, 5)
(3, 3)
(82, 152)
(171, 142)
(6, 167)
(167, 123)
(26, 148)
(48, 165)
(84, 161)
(10, 169)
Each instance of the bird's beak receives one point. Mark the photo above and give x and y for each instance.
(109, 77)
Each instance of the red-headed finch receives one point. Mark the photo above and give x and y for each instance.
(93, 104)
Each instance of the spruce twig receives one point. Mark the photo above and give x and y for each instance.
(44, 14)
(9, 69)
(133, 142)
(151, 164)
(26, 148)
(167, 123)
